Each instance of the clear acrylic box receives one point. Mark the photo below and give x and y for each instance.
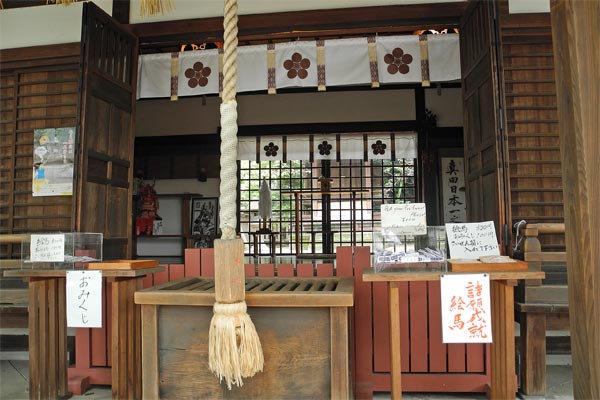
(61, 250)
(392, 250)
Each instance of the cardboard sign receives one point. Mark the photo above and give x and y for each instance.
(466, 315)
(47, 248)
(84, 299)
(404, 219)
(472, 240)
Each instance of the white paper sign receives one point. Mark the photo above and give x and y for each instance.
(404, 219)
(466, 315)
(47, 248)
(472, 240)
(84, 299)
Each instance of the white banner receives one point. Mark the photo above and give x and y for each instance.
(325, 147)
(399, 59)
(396, 59)
(198, 72)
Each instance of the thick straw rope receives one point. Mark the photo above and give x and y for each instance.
(228, 186)
(234, 349)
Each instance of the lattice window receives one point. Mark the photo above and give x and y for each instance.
(344, 216)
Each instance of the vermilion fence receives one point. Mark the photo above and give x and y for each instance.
(428, 365)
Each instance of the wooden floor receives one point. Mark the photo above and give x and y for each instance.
(14, 376)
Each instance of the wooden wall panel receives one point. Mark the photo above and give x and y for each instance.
(532, 121)
(36, 91)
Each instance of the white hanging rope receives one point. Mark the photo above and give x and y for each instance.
(228, 185)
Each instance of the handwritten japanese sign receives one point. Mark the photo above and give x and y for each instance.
(472, 240)
(466, 315)
(453, 189)
(405, 219)
(84, 299)
(47, 248)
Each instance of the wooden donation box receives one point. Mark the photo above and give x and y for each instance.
(302, 324)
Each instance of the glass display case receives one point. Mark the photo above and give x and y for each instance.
(393, 250)
(61, 250)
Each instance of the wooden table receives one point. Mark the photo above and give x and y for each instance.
(503, 383)
(48, 332)
(303, 325)
(257, 242)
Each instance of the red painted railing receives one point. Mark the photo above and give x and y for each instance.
(428, 365)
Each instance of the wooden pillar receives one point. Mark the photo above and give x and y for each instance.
(576, 38)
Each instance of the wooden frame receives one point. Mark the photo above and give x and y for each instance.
(204, 219)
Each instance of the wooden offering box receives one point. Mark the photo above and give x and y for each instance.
(302, 324)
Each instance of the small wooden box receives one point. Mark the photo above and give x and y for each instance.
(463, 265)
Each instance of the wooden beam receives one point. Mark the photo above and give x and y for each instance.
(120, 11)
(22, 3)
(382, 17)
(39, 55)
(576, 38)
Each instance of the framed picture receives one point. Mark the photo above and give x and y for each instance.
(205, 212)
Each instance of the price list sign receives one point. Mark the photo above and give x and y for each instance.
(472, 240)
(47, 248)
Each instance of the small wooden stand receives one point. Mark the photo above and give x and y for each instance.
(503, 382)
(48, 332)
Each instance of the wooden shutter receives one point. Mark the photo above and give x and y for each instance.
(105, 161)
(484, 143)
(38, 89)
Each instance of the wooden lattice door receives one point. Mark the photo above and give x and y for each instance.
(105, 160)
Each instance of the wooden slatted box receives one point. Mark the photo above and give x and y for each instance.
(302, 324)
